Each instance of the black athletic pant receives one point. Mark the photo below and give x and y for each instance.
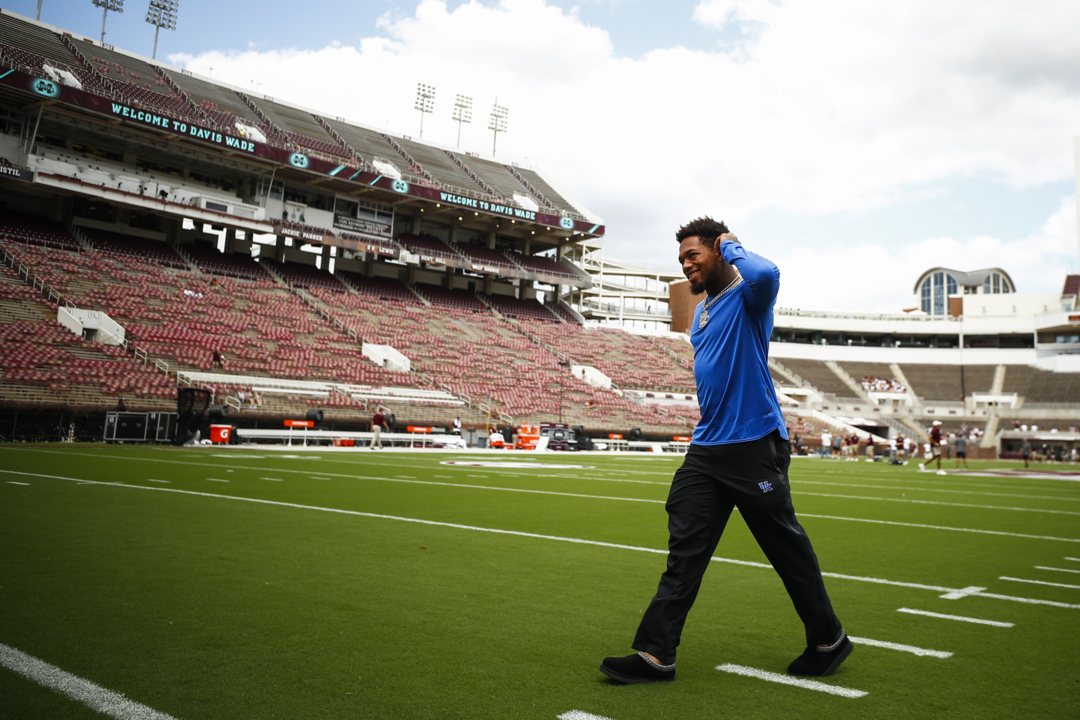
(711, 482)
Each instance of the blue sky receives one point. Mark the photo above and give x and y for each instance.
(854, 143)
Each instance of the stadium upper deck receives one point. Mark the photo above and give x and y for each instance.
(86, 119)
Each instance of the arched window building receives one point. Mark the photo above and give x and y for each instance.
(935, 286)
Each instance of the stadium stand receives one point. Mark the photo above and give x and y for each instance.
(819, 375)
(36, 231)
(102, 214)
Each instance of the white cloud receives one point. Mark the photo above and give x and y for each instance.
(833, 107)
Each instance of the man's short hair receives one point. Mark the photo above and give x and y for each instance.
(703, 227)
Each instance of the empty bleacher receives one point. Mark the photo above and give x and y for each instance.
(819, 375)
(938, 383)
(548, 192)
(439, 165)
(462, 299)
(485, 256)
(1041, 386)
(32, 230)
(368, 143)
(152, 251)
(428, 245)
(521, 308)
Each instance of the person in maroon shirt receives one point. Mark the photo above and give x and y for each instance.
(378, 424)
(935, 448)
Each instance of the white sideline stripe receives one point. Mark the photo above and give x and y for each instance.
(93, 696)
(1073, 559)
(216, 480)
(13, 482)
(579, 715)
(519, 533)
(943, 527)
(591, 497)
(789, 680)
(1040, 582)
(961, 618)
(937, 502)
(164, 482)
(800, 483)
(1043, 567)
(272, 479)
(922, 652)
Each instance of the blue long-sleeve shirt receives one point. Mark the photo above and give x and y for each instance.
(735, 390)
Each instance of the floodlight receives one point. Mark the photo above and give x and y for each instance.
(497, 123)
(462, 114)
(161, 14)
(115, 5)
(425, 102)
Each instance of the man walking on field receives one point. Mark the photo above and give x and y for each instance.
(738, 457)
(935, 448)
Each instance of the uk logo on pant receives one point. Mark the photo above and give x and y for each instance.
(765, 486)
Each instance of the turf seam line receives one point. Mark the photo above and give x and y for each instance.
(961, 618)
(789, 680)
(518, 533)
(92, 695)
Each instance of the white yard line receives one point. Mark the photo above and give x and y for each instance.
(216, 480)
(15, 482)
(939, 502)
(1066, 570)
(961, 618)
(90, 694)
(1040, 582)
(897, 488)
(518, 533)
(579, 715)
(163, 482)
(272, 479)
(921, 652)
(942, 527)
(789, 680)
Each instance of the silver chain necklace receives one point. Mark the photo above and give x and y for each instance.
(709, 303)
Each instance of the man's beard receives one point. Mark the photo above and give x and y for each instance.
(697, 290)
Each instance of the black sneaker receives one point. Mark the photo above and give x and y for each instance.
(819, 662)
(636, 668)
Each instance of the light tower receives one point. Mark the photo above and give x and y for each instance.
(425, 102)
(498, 123)
(462, 114)
(161, 14)
(116, 5)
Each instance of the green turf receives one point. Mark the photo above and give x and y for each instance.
(202, 606)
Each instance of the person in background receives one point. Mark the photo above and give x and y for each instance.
(935, 448)
(961, 449)
(378, 424)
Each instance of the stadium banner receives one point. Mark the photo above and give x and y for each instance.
(162, 122)
(17, 173)
(372, 229)
(358, 245)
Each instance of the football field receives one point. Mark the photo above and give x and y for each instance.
(242, 582)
